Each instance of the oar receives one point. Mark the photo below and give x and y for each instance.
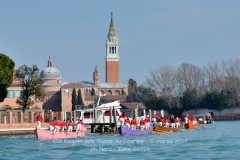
(201, 126)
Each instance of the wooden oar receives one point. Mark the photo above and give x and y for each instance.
(201, 126)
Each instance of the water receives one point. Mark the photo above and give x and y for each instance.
(217, 141)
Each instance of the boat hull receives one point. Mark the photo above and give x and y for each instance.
(164, 129)
(50, 135)
(130, 132)
(190, 125)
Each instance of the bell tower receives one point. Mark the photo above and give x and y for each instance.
(96, 80)
(112, 55)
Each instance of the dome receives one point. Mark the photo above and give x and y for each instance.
(50, 72)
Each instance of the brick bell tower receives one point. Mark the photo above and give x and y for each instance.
(112, 55)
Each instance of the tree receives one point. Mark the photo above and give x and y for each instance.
(74, 99)
(190, 99)
(93, 92)
(79, 98)
(31, 85)
(132, 91)
(6, 75)
(145, 93)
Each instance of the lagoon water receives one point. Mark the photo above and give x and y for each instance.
(216, 141)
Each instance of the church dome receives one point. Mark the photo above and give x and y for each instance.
(50, 72)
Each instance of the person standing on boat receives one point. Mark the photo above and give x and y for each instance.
(148, 122)
(80, 125)
(64, 125)
(39, 120)
(70, 126)
(134, 124)
(127, 122)
(142, 124)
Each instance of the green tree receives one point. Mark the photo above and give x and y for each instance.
(79, 98)
(190, 99)
(6, 74)
(31, 85)
(93, 92)
(74, 99)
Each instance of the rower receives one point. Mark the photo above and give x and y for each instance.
(194, 120)
(162, 121)
(147, 120)
(186, 118)
(52, 125)
(177, 120)
(64, 124)
(39, 120)
(172, 120)
(57, 126)
(122, 118)
(134, 124)
(70, 126)
(155, 118)
(167, 123)
(80, 125)
(127, 122)
(142, 124)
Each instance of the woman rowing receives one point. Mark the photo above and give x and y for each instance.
(177, 120)
(155, 118)
(52, 125)
(64, 125)
(80, 126)
(148, 122)
(70, 126)
(142, 124)
(127, 122)
(122, 118)
(134, 124)
(57, 126)
(172, 120)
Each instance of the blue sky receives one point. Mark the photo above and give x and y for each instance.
(151, 34)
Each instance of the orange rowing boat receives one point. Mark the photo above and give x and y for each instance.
(190, 125)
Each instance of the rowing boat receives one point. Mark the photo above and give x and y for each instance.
(160, 128)
(190, 125)
(50, 135)
(130, 132)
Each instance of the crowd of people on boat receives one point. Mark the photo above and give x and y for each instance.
(58, 126)
(147, 123)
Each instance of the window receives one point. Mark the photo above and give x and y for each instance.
(18, 93)
(10, 94)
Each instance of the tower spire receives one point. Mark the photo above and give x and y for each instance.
(112, 30)
(50, 63)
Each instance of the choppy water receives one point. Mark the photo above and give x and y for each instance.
(217, 141)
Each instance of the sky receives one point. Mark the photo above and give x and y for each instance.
(151, 33)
